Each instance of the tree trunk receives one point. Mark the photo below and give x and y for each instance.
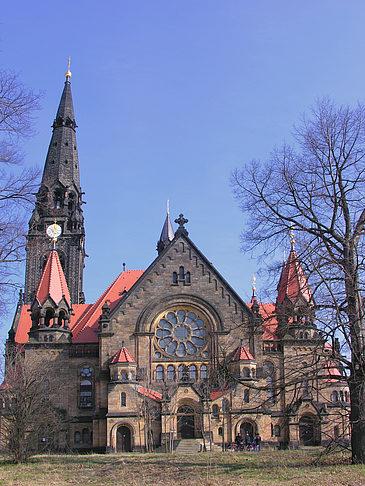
(357, 416)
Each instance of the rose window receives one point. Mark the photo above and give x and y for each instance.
(181, 333)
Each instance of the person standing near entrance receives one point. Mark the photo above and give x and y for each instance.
(247, 441)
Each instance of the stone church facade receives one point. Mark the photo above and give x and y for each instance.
(172, 352)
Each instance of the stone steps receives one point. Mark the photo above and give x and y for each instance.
(188, 446)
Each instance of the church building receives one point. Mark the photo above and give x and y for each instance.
(170, 353)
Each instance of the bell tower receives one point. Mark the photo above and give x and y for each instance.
(59, 199)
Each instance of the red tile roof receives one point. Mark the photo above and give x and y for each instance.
(332, 372)
(150, 393)
(270, 323)
(217, 392)
(293, 281)
(243, 354)
(123, 356)
(53, 282)
(85, 317)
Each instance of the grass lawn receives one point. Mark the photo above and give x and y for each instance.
(243, 468)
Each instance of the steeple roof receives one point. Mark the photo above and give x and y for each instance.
(123, 356)
(167, 234)
(242, 354)
(293, 281)
(62, 162)
(53, 283)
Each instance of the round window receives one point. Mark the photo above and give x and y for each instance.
(181, 333)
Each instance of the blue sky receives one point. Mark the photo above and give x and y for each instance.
(170, 96)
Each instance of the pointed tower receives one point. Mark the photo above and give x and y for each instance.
(59, 198)
(167, 233)
(294, 303)
(51, 306)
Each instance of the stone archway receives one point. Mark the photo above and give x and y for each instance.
(248, 426)
(123, 439)
(185, 422)
(309, 431)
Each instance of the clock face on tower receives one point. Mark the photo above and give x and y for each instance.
(54, 231)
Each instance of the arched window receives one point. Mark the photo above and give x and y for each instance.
(336, 431)
(183, 372)
(306, 335)
(123, 399)
(77, 438)
(247, 396)
(346, 396)
(48, 317)
(171, 373)
(203, 372)
(159, 373)
(181, 273)
(85, 436)
(187, 277)
(61, 318)
(174, 277)
(341, 396)
(277, 430)
(269, 389)
(334, 396)
(245, 373)
(86, 387)
(192, 372)
(220, 431)
(124, 376)
(301, 335)
(225, 405)
(215, 411)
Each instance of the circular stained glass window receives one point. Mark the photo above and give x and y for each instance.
(181, 333)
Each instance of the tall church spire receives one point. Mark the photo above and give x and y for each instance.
(59, 198)
(167, 233)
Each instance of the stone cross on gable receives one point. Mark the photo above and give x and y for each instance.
(181, 221)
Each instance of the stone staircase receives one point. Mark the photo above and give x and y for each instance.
(188, 446)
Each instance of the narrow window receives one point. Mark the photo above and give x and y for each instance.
(192, 371)
(269, 389)
(86, 388)
(225, 405)
(187, 277)
(245, 373)
(181, 273)
(181, 370)
(346, 396)
(336, 431)
(174, 278)
(124, 376)
(123, 399)
(203, 372)
(277, 430)
(247, 396)
(220, 431)
(85, 436)
(341, 396)
(171, 373)
(334, 396)
(159, 373)
(77, 438)
(215, 411)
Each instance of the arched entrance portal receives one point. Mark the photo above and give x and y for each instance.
(185, 422)
(248, 427)
(124, 440)
(309, 433)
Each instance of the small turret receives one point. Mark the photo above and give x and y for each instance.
(167, 233)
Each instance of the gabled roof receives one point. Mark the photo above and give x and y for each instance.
(85, 317)
(53, 282)
(293, 281)
(242, 354)
(122, 356)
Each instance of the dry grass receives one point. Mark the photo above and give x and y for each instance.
(209, 469)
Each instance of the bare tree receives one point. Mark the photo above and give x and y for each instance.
(30, 423)
(318, 186)
(17, 186)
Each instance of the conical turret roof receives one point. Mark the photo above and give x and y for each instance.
(293, 281)
(53, 282)
(167, 234)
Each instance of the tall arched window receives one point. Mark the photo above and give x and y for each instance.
(86, 387)
(215, 411)
(341, 396)
(123, 399)
(85, 436)
(334, 396)
(245, 373)
(159, 373)
(247, 396)
(77, 437)
(181, 273)
(174, 277)
(269, 389)
(192, 372)
(203, 372)
(225, 405)
(170, 373)
(187, 277)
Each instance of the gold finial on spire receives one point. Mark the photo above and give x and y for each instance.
(253, 285)
(292, 240)
(68, 74)
(168, 207)
(284, 259)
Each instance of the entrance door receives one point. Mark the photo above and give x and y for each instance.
(185, 422)
(124, 443)
(307, 434)
(247, 427)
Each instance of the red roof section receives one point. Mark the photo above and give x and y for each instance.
(150, 393)
(53, 282)
(123, 356)
(293, 281)
(334, 374)
(85, 317)
(217, 392)
(243, 354)
(270, 322)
